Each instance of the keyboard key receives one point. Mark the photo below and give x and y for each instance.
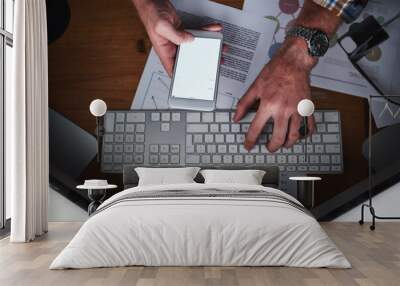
(192, 117)
(118, 148)
(319, 148)
(316, 138)
(249, 159)
(314, 159)
(139, 127)
(214, 128)
(297, 149)
(263, 149)
(318, 116)
(217, 159)
(302, 168)
(333, 128)
(240, 138)
(129, 138)
(270, 159)
(238, 159)
(242, 149)
(108, 138)
(197, 128)
(175, 159)
(164, 148)
(189, 139)
(207, 117)
(128, 159)
(176, 117)
(245, 127)
(230, 138)
(330, 138)
(291, 168)
(336, 168)
(321, 128)
(302, 159)
(232, 149)
(153, 159)
(164, 127)
(107, 148)
(138, 159)
(175, 148)
(292, 159)
(153, 148)
(281, 159)
(109, 122)
(324, 168)
(130, 128)
(155, 116)
(260, 159)
(139, 138)
(107, 158)
(325, 159)
(193, 159)
(209, 138)
(336, 159)
(165, 116)
(117, 159)
(189, 148)
(136, 117)
(198, 138)
(222, 117)
(119, 138)
(255, 149)
(310, 149)
(248, 117)
(219, 138)
(224, 128)
(164, 159)
(331, 116)
(139, 148)
(211, 148)
(201, 148)
(332, 148)
(286, 150)
(227, 159)
(313, 168)
(120, 117)
(221, 148)
(128, 148)
(119, 128)
(205, 159)
(235, 128)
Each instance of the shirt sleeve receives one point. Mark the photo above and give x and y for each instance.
(349, 10)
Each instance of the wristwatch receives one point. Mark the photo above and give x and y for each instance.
(317, 41)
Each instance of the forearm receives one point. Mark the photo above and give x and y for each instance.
(295, 50)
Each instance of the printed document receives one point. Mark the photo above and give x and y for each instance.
(248, 38)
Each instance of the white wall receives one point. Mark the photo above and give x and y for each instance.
(61, 209)
(386, 203)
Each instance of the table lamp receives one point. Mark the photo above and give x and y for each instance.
(98, 108)
(305, 108)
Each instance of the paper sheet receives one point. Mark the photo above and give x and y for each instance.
(247, 37)
(334, 71)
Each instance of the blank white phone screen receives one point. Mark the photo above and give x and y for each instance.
(196, 69)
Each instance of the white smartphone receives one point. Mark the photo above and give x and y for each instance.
(196, 72)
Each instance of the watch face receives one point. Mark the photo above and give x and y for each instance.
(319, 44)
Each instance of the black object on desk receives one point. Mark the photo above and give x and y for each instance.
(305, 190)
(96, 191)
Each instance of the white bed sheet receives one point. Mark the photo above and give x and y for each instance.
(192, 231)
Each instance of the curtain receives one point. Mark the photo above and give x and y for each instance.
(27, 123)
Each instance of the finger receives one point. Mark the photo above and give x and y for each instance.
(244, 104)
(311, 124)
(215, 27)
(278, 134)
(225, 48)
(176, 36)
(294, 133)
(256, 127)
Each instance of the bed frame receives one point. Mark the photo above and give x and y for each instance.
(270, 179)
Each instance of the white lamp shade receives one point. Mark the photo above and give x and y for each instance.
(98, 107)
(305, 107)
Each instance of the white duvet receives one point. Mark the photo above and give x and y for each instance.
(206, 231)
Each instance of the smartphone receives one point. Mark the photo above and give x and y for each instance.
(196, 72)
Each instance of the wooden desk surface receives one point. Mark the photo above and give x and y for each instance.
(102, 55)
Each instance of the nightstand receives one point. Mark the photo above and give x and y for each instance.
(305, 190)
(96, 191)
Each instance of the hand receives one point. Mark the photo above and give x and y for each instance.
(164, 29)
(283, 82)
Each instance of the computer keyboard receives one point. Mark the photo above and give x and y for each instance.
(190, 138)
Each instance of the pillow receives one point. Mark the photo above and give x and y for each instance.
(248, 177)
(166, 176)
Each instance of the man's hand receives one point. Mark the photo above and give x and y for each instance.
(164, 29)
(278, 89)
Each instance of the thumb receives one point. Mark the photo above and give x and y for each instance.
(168, 31)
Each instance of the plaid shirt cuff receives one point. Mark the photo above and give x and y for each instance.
(349, 10)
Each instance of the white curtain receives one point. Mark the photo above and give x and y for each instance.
(27, 123)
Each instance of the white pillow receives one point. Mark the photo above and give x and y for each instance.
(165, 176)
(248, 177)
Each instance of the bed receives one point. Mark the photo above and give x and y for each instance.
(197, 224)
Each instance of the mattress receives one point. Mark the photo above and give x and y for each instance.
(201, 225)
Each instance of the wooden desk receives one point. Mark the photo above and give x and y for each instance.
(102, 55)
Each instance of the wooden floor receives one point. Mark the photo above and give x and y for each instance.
(375, 257)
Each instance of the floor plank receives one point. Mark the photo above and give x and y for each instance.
(375, 257)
